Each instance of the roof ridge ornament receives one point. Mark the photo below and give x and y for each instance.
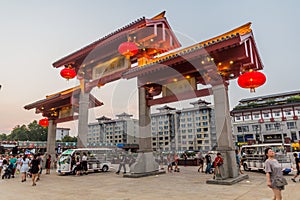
(159, 16)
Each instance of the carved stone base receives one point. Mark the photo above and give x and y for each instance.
(145, 165)
(228, 181)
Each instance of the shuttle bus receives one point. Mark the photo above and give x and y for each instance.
(253, 156)
(98, 159)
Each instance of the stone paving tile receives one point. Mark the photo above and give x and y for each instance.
(187, 184)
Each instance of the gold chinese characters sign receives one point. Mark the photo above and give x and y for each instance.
(110, 67)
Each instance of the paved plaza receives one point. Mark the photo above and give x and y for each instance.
(187, 184)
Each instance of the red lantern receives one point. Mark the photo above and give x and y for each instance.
(44, 122)
(68, 73)
(295, 117)
(252, 80)
(128, 49)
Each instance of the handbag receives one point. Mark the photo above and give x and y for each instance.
(280, 182)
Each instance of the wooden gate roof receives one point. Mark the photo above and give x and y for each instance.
(107, 46)
(236, 46)
(53, 104)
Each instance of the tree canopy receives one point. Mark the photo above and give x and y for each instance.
(31, 132)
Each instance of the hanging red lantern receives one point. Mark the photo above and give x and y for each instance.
(252, 80)
(44, 122)
(68, 73)
(295, 117)
(128, 49)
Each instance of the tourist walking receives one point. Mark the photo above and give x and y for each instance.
(297, 161)
(48, 164)
(24, 163)
(35, 168)
(238, 161)
(184, 155)
(40, 158)
(78, 165)
(55, 161)
(18, 167)
(13, 163)
(275, 179)
(169, 163)
(84, 164)
(122, 163)
(217, 164)
(176, 158)
(208, 163)
(201, 162)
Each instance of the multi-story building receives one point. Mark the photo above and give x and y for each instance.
(266, 119)
(172, 129)
(163, 129)
(94, 133)
(122, 130)
(186, 129)
(61, 133)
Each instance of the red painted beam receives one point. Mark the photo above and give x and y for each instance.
(180, 97)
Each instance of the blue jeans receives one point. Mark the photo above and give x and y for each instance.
(208, 166)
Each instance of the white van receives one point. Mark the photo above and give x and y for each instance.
(253, 157)
(97, 160)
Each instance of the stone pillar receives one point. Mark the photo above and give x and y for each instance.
(51, 139)
(144, 122)
(224, 131)
(83, 118)
(145, 164)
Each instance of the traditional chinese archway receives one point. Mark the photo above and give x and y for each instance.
(58, 108)
(176, 76)
(211, 64)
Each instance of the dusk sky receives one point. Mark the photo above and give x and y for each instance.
(34, 34)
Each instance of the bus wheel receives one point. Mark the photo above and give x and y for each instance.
(105, 168)
(246, 168)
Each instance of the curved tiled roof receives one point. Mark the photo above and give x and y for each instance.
(91, 46)
(54, 98)
(242, 30)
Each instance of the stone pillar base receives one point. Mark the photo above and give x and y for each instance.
(228, 181)
(229, 169)
(145, 165)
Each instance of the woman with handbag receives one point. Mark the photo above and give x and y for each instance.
(275, 179)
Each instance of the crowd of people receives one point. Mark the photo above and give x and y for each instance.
(211, 166)
(31, 165)
(25, 165)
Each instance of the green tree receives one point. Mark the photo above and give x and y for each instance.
(3, 136)
(32, 132)
(19, 133)
(69, 139)
(37, 132)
